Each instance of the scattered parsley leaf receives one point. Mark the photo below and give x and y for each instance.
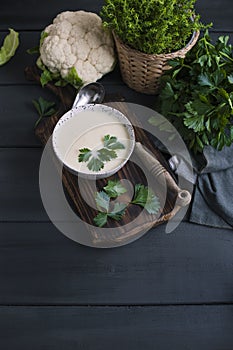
(145, 197)
(44, 108)
(101, 219)
(140, 195)
(152, 204)
(118, 211)
(102, 200)
(114, 188)
(103, 203)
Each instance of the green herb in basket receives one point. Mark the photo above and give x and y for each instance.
(152, 26)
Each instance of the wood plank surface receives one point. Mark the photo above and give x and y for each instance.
(160, 328)
(40, 266)
(18, 115)
(19, 192)
(164, 291)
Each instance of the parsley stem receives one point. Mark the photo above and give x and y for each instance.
(225, 55)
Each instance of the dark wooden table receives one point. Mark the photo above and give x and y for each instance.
(164, 291)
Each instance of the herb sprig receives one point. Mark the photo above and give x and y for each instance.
(96, 158)
(44, 108)
(197, 94)
(143, 196)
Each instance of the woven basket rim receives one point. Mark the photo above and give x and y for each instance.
(191, 42)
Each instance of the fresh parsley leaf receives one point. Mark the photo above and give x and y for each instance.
(140, 195)
(84, 155)
(95, 164)
(103, 204)
(118, 211)
(102, 201)
(204, 80)
(106, 155)
(143, 196)
(112, 143)
(230, 78)
(97, 158)
(198, 100)
(152, 204)
(101, 219)
(146, 198)
(44, 108)
(114, 188)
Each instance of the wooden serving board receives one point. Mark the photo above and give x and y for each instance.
(136, 221)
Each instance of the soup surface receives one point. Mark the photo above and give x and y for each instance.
(87, 130)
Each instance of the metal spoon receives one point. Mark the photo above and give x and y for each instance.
(90, 93)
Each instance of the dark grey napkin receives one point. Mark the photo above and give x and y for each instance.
(211, 173)
(212, 202)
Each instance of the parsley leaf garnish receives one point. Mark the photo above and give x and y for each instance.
(112, 143)
(114, 188)
(84, 155)
(96, 158)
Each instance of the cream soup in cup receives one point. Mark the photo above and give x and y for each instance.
(86, 127)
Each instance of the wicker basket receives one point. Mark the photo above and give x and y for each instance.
(141, 71)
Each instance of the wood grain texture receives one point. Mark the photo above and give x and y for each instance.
(40, 266)
(163, 328)
(19, 193)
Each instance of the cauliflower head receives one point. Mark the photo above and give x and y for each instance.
(77, 39)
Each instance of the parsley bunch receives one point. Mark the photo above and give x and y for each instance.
(143, 196)
(197, 94)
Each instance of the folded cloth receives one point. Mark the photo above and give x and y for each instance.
(212, 202)
(212, 174)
